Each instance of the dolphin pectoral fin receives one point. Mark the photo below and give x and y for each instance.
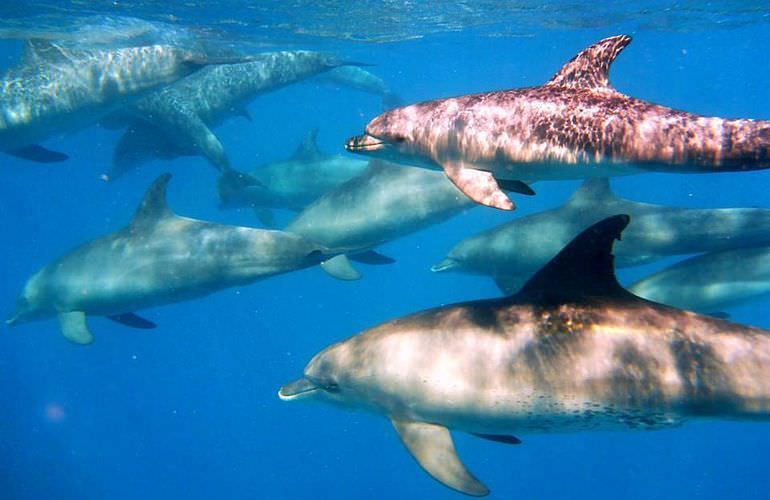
(38, 154)
(265, 217)
(74, 328)
(478, 185)
(499, 438)
(512, 186)
(244, 113)
(509, 285)
(372, 258)
(340, 267)
(431, 445)
(133, 320)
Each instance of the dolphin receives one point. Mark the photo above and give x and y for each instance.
(61, 89)
(711, 282)
(572, 351)
(160, 258)
(512, 252)
(384, 203)
(355, 77)
(574, 126)
(176, 120)
(290, 184)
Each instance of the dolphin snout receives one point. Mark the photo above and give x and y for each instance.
(445, 265)
(364, 143)
(298, 389)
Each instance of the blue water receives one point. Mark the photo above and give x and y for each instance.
(190, 410)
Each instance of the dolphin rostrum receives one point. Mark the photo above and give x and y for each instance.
(59, 89)
(572, 351)
(711, 282)
(512, 252)
(291, 184)
(543, 132)
(160, 258)
(176, 120)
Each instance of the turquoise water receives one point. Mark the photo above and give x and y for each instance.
(189, 410)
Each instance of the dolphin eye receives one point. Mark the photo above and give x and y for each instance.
(331, 387)
(399, 139)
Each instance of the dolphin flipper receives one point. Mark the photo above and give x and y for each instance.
(340, 267)
(133, 320)
(266, 217)
(513, 186)
(74, 328)
(38, 154)
(478, 185)
(499, 438)
(431, 445)
(372, 258)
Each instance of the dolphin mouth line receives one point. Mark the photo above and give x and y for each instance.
(364, 143)
(296, 390)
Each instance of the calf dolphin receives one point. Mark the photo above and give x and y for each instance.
(541, 133)
(573, 351)
(512, 252)
(176, 120)
(384, 203)
(61, 90)
(711, 282)
(160, 258)
(290, 184)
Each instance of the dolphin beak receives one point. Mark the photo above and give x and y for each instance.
(445, 265)
(364, 143)
(298, 389)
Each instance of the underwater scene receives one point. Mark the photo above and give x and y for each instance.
(381, 249)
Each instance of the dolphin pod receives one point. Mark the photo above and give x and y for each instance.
(528, 363)
(58, 89)
(541, 133)
(160, 258)
(512, 252)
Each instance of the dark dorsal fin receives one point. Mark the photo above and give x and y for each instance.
(592, 192)
(584, 268)
(308, 149)
(590, 67)
(153, 207)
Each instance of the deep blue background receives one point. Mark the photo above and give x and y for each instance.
(190, 410)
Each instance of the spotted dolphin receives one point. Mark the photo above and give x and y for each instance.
(177, 120)
(290, 184)
(160, 258)
(59, 89)
(512, 252)
(711, 282)
(574, 126)
(573, 351)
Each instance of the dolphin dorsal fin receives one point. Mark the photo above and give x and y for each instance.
(308, 149)
(593, 192)
(153, 206)
(589, 69)
(584, 268)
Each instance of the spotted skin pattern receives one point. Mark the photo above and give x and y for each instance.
(560, 129)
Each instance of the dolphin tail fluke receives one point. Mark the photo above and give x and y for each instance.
(266, 217)
(431, 445)
(340, 267)
(74, 328)
(478, 185)
(372, 258)
(38, 154)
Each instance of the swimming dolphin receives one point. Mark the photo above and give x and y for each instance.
(60, 90)
(176, 120)
(541, 133)
(572, 351)
(290, 184)
(355, 77)
(384, 203)
(160, 258)
(711, 282)
(512, 252)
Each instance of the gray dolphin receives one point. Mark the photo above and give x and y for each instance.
(512, 252)
(357, 78)
(160, 258)
(59, 89)
(545, 132)
(386, 202)
(176, 120)
(711, 282)
(573, 351)
(290, 184)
